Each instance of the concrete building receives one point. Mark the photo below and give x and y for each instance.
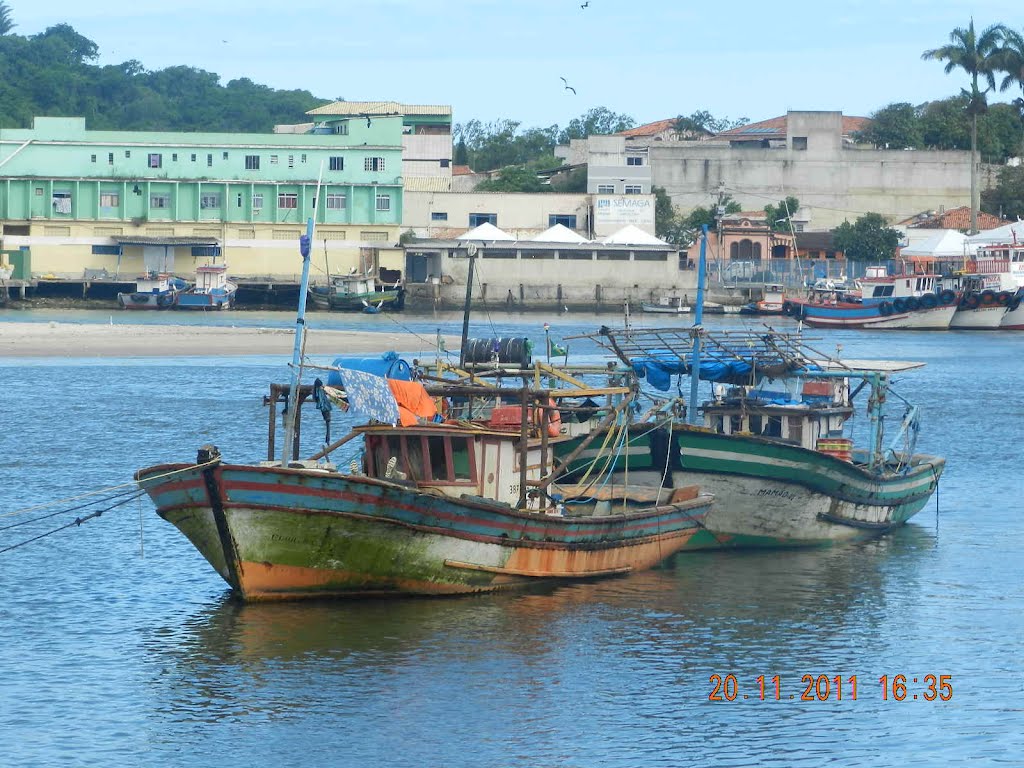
(128, 202)
(809, 155)
(426, 131)
(439, 214)
(552, 272)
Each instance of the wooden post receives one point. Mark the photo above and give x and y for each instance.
(545, 415)
(524, 435)
(275, 395)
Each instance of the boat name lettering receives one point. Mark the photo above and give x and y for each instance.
(288, 539)
(776, 492)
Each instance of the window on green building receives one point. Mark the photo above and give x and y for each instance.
(373, 164)
(155, 160)
(93, 157)
(288, 200)
(211, 200)
(257, 201)
(209, 161)
(336, 202)
(110, 199)
(383, 202)
(159, 201)
(337, 163)
(252, 162)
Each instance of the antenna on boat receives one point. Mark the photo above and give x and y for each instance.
(305, 245)
(698, 318)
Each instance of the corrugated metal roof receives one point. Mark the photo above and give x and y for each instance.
(427, 183)
(380, 108)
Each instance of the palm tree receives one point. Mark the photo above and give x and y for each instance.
(1010, 59)
(977, 56)
(6, 23)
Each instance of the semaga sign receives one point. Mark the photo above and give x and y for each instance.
(613, 212)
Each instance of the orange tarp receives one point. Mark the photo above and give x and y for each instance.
(414, 404)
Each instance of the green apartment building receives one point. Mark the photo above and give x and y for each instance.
(130, 202)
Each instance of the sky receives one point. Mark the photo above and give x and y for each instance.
(492, 60)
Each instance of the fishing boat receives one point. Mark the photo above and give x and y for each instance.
(212, 289)
(773, 444)
(454, 499)
(992, 285)
(773, 296)
(154, 290)
(911, 301)
(354, 293)
(666, 305)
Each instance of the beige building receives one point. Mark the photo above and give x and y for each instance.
(812, 156)
(441, 214)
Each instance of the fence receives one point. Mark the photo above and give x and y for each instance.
(795, 273)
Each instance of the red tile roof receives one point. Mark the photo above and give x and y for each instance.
(649, 129)
(776, 128)
(462, 170)
(954, 218)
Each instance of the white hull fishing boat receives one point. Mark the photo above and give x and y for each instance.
(153, 291)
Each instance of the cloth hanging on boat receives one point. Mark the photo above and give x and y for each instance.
(414, 404)
(370, 396)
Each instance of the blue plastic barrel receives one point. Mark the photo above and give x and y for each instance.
(388, 366)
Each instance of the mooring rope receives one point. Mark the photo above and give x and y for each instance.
(76, 522)
(99, 491)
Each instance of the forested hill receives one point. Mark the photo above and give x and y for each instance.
(52, 74)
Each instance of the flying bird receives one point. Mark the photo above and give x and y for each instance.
(585, 4)
(567, 86)
(367, 121)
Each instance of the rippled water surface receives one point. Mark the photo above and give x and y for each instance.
(120, 646)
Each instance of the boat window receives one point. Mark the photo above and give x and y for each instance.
(796, 429)
(774, 427)
(438, 458)
(735, 424)
(755, 423)
(460, 459)
(414, 458)
(719, 424)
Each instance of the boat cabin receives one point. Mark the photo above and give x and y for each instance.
(211, 278)
(154, 282)
(802, 411)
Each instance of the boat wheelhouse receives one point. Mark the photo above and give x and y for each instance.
(212, 289)
(154, 290)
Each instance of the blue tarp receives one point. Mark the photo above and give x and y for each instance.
(659, 365)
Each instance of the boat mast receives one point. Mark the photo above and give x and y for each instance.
(471, 250)
(305, 245)
(698, 318)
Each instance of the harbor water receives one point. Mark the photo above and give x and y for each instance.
(119, 645)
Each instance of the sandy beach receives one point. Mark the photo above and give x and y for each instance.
(85, 340)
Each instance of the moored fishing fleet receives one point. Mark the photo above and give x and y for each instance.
(501, 472)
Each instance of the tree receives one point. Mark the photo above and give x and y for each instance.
(1010, 60)
(513, 178)
(867, 239)
(704, 123)
(461, 153)
(896, 126)
(780, 216)
(6, 19)
(976, 56)
(599, 121)
(1006, 199)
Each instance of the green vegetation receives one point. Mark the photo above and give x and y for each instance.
(53, 73)
(674, 227)
(780, 216)
(1006, 199)
(704, 123)
(867, 239)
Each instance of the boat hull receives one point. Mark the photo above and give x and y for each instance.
(275, 533)
(1013, 320)
(664, 310)
(870, 316)
(390, 300)
(150, 301)
(772, 494)
(208, 300)
(978, 318)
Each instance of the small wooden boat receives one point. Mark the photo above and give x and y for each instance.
(212, 289)
(771, 302)
(155, 290)
(667, 305)
(353, 293)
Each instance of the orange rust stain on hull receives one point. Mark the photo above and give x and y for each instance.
(541, 562)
